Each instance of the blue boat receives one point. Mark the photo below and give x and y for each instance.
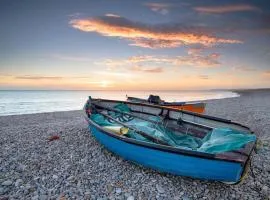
(172, 141)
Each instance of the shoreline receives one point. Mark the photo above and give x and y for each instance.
(77, 166)
(31, 102)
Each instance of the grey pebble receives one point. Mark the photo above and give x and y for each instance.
(55, 177)
(43, 197)
(185, 198)
(18, 182)
(160, 189)
(80, 168)
(265, 190)
(118, 190)
(35, 197)
(2, 190)
(7, 183)
(130, 198)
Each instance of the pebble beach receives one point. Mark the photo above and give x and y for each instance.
(76, 166)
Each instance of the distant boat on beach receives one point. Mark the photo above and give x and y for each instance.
(170, 140)
(197, 107)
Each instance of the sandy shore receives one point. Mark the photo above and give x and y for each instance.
(77, 167)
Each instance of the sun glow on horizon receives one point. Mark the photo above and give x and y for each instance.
(108, 46)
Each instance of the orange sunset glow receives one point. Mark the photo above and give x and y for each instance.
(155, 45)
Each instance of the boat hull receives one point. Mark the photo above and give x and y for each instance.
(197, 108)
(170, 162)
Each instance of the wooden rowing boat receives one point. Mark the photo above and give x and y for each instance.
(115, 128)
(197, 107)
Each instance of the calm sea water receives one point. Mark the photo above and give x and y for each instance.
(26, 102)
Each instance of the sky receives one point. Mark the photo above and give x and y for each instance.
(134, 45)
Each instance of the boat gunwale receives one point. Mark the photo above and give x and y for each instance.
(163, 148)
(183, 104)
(176, 110)
(165, 103)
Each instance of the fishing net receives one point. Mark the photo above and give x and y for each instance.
(225, 139)
(101, 120)
(122, 107)
(216, 141)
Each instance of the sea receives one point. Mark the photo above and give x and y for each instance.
(18, 102)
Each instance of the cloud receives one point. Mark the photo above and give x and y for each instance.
(155, 44)
(75, 15)
(139, 68)
(244, 68)
(139, 63)
(71, 58)
(114, 74)
(194, 60)
(102, 83)
(226, 8)
(27, 77)
(148, 36)
(194, 51)
(204, 77)
(162, 8)
(266, 74)
(34, 77)
(112, 15)
(112, 64)
(148, 58)
(4, 74)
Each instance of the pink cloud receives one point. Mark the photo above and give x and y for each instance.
(266, 74)
(244, 68)
(195, 60)
(27, 77)
(148, 36)
(112, 15)
(226, 8)
(138, 68)
(162, 8)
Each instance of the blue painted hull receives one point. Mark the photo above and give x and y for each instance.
(174, 163)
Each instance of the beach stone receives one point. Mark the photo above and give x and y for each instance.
(2, 191)
(87, 194)
(83, 176)
(4, 198)
(7, 183)
(21, 167)
(185, 198)
(71, 178)
(118, 190)
(160, 189)
(35, 197)
(55, 177)
(130, 198)
(18, 182)
(43, 197)
(265, 190)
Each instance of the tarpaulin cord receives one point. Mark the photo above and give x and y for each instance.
(256, 152)
(249, 164)
(246, 169)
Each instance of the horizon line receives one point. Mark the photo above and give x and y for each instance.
(229, 89)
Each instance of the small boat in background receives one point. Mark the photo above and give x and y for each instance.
(197, 107)
(170, 140)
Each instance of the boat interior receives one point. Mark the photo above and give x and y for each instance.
(172, 129)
